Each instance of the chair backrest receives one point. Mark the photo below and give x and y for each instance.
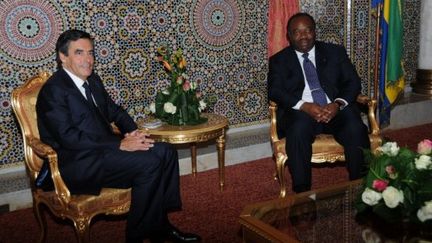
(24, 106)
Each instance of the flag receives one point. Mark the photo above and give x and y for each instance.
(391, 75)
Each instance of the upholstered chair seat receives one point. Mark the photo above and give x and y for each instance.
(325, 148)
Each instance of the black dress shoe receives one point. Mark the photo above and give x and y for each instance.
(175, 235)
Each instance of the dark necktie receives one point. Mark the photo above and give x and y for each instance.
(89, 94)
(318, 94)
(95, 108)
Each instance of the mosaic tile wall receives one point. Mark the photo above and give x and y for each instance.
(350, 23)
(224, 42)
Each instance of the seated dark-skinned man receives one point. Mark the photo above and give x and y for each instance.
(315, 86)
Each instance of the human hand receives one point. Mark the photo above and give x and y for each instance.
(136, 140)
(330, 111)
(317, 112)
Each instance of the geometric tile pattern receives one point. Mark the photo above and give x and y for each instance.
(224, 42)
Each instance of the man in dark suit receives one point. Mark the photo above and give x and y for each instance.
(315, 86)
(74, 115)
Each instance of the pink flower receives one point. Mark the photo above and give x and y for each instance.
(390, 169)
(198, 94)
(424, 147)
(186, 86)
(379, 185)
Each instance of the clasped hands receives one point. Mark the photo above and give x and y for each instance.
(136, 140)
(320, 113)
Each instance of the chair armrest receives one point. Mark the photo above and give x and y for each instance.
(362, 99)
(372, 105)
(45, 151)
(273, 128)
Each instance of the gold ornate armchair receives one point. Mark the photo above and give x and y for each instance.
(78, 208)
(325, 148)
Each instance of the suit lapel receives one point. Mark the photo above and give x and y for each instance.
(70, 85)
(320, 60)
(97, 92)
(297, 72)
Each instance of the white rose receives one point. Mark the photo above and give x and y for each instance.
(193, 85)
(425, 212)
(392, 196)
(152, 107)
(170, 108)
(371, 197)
(423, 162)
(389, 148)
(202, 105)
(165, 92)
(370, 236)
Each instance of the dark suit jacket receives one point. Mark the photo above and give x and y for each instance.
(335, 71)
(67, 122)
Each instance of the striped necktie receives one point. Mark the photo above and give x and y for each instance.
(318, 94)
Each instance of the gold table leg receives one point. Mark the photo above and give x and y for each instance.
(221, 159)
(193, 158)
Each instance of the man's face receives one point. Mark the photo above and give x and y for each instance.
(80, 58)
(301, 34)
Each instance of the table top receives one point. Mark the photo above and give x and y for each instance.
(326, 215)
(210, 129)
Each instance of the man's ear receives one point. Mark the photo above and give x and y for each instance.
(62, 57)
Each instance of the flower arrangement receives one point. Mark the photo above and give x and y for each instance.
(180, 103)
(398, 186)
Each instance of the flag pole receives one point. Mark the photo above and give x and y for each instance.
(377, 50)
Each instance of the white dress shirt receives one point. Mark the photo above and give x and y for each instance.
(79, 83)
(307, 94)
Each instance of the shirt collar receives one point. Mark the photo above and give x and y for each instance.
(77, 81)
(311, 54)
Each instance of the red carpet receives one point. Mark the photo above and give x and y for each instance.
(206, 210)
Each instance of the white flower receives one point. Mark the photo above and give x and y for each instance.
(371, 197)
(170, 108)
(202, 105)
(389, 148)
(423, 162)
(193, 85)
(392, 197)
(152, 107)
(185, 76)
(425, 212)
(165, 92)
(370, 236)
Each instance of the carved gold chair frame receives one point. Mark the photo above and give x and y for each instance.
(78, 208)
(325, 148)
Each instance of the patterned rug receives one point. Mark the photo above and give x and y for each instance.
(206, 210)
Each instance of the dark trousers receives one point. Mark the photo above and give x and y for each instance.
(154, 178)
(300, 131)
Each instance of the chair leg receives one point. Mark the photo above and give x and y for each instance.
(40, 217)
(280, 169)
(82, 228)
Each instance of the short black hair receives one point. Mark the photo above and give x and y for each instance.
(297, 15)
(64, 40)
